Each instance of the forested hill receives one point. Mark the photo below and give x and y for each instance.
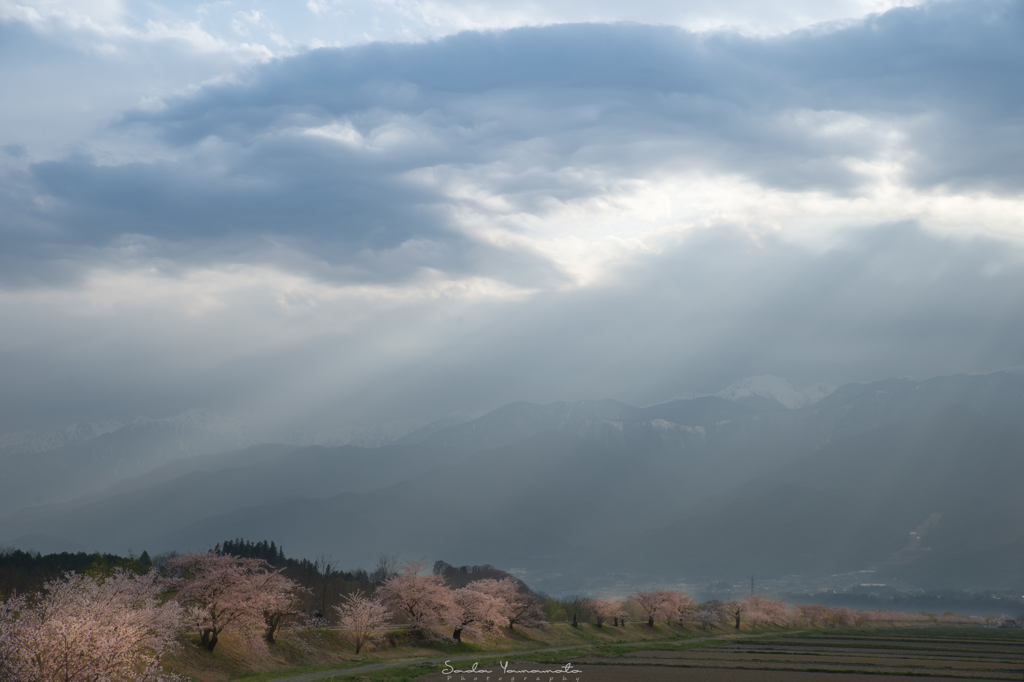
(25, 572)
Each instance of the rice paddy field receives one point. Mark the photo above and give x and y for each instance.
(937, 653)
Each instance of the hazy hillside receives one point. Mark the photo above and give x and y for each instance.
(860, 407)
(853, 505)
(518, 421)
(94, 463)
(706, 486)
(561, 504)
(189, 490)
(85, 459)
(556, 472)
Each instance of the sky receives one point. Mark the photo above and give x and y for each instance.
(356, 211)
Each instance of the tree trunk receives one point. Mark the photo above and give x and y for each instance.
(457, 635)
(575, 623)
(273, 624)
(650, 621)
(737, 621)
(213, 641)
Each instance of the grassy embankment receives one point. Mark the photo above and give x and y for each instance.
(319, 653)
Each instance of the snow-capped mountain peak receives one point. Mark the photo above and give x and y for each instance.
(817, 391)
(28, 442)
(776, 388)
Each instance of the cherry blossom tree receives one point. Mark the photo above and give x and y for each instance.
(423, 599)
(87, 629)
(11, 659)
(650, 602)
(278, 599)
(519, 608)
(814, 613)
(680, 607)
(602, 610)
(734, 609)
(708, 616)
(662, 604)
(475, 607)
(362, 618)
(223, 592)
(890, 616)
(760, 609)
(839, 616)
(774, 612)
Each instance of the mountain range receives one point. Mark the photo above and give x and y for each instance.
(912, 481)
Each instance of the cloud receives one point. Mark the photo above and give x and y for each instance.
(346, 151)
(108, 24)
(735, 202)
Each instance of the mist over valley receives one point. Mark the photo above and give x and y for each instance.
(593, 493)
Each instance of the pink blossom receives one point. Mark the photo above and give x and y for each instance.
(363, 618)
(422, 599)
(84, 629)
(222, 592)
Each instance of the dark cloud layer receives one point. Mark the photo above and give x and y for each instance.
(626, 99)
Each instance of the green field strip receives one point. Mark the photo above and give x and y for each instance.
(988, 641)
(834, 671)
(795, 656)
(899, 663)
(903, 647)
(912, 642)
(944, 652)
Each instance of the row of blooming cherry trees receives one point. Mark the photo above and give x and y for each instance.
(424, 600)
(115, 627)
(220, 592)
(757, 610)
